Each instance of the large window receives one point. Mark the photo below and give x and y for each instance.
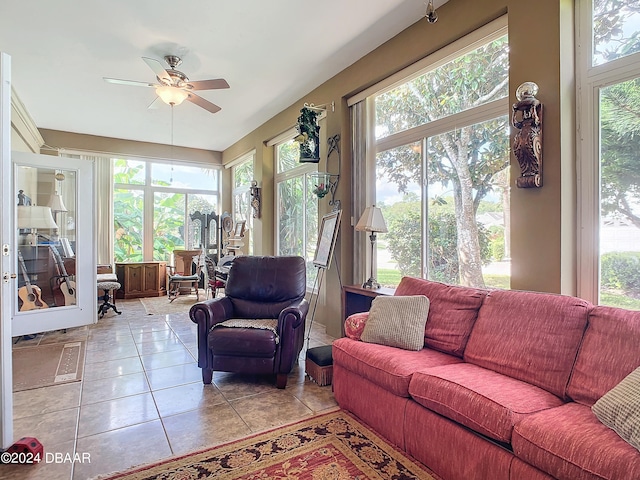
(152, 202)
(242, 174)
(296, 206)
(441, 170)
(609, 99)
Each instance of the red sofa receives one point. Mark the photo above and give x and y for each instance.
(503, 387)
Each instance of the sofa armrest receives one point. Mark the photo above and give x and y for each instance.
(206, 314)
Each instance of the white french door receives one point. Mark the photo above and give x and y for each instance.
(7, 290)
(55, 243)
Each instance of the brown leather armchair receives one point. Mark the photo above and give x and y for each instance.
(264, 313)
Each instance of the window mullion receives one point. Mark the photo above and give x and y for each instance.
(462, 119)
(425, 209)
(147, 224)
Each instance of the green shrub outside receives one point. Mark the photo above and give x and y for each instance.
(496, 243)
(621, 271)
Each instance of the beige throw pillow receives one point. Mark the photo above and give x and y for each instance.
(397, 321)
(619, 408)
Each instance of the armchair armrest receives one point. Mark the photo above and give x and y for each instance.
(291, 328)
(293, 315)
(206, 314)
(212, 311)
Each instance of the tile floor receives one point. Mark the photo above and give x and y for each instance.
(141, 399)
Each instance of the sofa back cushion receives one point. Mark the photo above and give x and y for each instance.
(452, 312)
(609, 351)
(533, 337)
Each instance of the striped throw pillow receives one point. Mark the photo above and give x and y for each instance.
(619, 409)
(397, 321)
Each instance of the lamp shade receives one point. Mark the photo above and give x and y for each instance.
(56, 203)
(372, 221)
(35, 217)
(171, 95)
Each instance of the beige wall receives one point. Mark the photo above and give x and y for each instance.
(97, 144)
(543, 220)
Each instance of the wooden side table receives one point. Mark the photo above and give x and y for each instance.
(356, 299)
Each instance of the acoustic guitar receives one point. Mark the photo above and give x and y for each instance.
(67, 287)
(31, 295)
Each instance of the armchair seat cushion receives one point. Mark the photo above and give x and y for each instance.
(243, 341)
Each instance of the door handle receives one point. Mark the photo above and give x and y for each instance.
(8, 276)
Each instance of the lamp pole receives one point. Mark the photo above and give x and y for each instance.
(372, 283)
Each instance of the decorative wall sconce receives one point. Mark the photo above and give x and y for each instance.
(527, 144)
(256, 200)
(309, 133)
(325, 182)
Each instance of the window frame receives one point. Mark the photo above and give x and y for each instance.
(149, 190)
(421, 133)
(239, 190)
(590, 80)
(299, 171)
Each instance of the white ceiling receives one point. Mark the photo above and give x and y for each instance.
(272, 53)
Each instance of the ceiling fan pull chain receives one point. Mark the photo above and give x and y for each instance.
(171, 177)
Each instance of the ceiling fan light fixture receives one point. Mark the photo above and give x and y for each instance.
(171, 95)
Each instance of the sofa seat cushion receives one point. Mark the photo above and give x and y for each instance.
(608, 353)
(569, 442)
(388, 367)
(244, 342)
(452, 312)
(533, 337)
(485, 401)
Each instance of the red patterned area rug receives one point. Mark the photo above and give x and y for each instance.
(332, 446)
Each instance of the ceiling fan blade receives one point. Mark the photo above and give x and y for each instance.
(129, 82)
(201, 102)
(159, 70)
(213, 84)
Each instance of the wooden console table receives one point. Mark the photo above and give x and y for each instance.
(356, 299)
(142, 279)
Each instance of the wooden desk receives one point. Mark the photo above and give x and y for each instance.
(356, 299)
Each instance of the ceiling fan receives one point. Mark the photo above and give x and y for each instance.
(174, 86)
